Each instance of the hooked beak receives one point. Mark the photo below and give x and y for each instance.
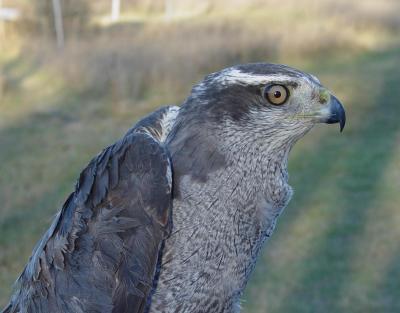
(336, 113)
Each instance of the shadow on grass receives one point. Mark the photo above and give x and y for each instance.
(16, 70)
(390, 282)
(42, 147)
(30, 190)
(40, 159)
(352, 167)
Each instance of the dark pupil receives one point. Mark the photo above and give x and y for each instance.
(277, 94)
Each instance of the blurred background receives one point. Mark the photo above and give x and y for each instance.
(75, 75)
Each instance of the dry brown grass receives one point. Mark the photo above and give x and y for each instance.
(148, 57)
(58, 108)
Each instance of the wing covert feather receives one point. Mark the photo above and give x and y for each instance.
(101, 252)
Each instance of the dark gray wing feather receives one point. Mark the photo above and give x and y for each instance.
(101, 252)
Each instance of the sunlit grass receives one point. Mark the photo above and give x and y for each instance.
(337, 239)
(335, 248)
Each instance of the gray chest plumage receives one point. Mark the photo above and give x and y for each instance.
(219, 225)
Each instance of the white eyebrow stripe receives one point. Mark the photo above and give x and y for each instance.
(232, 76)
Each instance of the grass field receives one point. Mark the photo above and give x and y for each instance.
(336, 247)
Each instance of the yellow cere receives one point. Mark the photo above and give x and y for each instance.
(324, 95)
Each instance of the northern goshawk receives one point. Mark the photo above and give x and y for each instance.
(171, 217)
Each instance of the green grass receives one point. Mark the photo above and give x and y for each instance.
(336, 246)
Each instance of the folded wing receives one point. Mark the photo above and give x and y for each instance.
(101, 252)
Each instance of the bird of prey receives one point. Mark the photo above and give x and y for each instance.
(171, 217)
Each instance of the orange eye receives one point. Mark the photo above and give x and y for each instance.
(276, 94)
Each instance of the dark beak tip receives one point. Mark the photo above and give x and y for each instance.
(342, 124)
(338, 114)
(342, 118)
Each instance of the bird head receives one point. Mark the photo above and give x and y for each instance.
(248, 114)
(271, 99)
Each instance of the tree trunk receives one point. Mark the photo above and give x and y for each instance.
(58, 23)
(115, 10)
